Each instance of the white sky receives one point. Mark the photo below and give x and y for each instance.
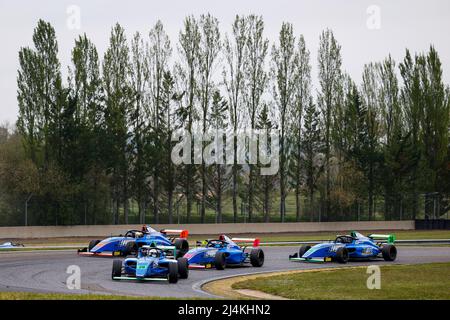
(404, 24)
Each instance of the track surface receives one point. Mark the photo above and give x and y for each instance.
(45, 271)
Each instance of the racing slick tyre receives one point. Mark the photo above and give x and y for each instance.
(172, 276)
(130, 248)
(92, 244)
(116, 269)
(342, 255)
(182, 247)
(219, 260)
(183, 269)
(257, 257)
(389, 252)
(303, 250)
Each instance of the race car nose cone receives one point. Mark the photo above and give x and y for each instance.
(141, 268)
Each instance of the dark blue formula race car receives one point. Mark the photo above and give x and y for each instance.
(151, 263)
(223, 252)
(129, 243)
(349, 247)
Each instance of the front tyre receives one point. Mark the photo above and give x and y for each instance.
(257, 257)
(182, 247)
(92, 244)
(172, 276)
(342, 255)
(183, 268)
(220, 260)
(130, 248)
(303, 249)
(116, 269)
(389, 252)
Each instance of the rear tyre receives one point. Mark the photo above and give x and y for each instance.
(257, 257)
(92, 244)
(116, 269)
(183, 268)
(342, 255)
(303, 250)
(389, 252)
(219, 260)
(173, 273)
(182, 247)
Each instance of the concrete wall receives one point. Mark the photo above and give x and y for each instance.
(228, 228)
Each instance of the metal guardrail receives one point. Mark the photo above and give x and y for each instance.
(416, 241)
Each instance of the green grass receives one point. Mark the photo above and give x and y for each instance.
(425, 281)
(62, 296)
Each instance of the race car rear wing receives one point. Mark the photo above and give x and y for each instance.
(389, 238)
(254, 241)
(181, 233)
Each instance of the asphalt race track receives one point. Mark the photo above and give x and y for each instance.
(45, 271)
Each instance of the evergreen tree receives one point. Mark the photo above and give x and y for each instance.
(330, 80)
(255, 79)
(233, 74)
(209, 49)
(118, 98)
(187, 71)
(311, 144)
(284, 68)
(302, 99)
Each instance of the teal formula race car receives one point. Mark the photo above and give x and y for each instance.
(151, 264)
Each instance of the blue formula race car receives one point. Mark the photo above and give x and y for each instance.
(349, 247)
(129, 243)
(223, 252)
(151, 263)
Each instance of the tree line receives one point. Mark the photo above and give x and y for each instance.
(96, 147)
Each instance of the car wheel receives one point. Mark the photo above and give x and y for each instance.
(183, 269)
(342, 255)
(172, 276)
(303, 250)
(257, 257)
(389, 252)
(116, 269)
(130, 248)
(182, 247)
(92, 244)
(219, 260)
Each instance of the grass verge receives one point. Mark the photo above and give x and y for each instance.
(423, 281)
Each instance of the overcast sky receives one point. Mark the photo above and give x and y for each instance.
(364, 38)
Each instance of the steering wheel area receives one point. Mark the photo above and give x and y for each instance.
(344, 239)
(133, 233)
(151, 252)
(216, 244)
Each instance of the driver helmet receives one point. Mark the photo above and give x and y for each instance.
(153, 253)
(138, 235)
